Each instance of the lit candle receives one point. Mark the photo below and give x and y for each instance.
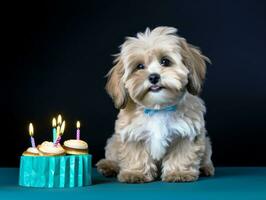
(54, 130)
(62, 129)
(31, 132)
(57, 131)
(59, 120)
(78, 131)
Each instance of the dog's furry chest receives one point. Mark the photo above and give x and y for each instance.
(157, 131)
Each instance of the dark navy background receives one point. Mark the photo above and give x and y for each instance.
(55, 55)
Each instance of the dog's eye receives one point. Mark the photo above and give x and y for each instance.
(165, 62)
(140, 66)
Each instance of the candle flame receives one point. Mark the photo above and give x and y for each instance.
(62, 128)
(54, 122)
(59, 119)
(78, 124)
(31, 130)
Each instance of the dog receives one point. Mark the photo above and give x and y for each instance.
(160, 129)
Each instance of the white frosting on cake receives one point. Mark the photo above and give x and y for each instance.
(50, 148)
(76, 144)
(32, 150)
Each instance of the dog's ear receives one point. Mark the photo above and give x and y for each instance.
(195, 61)
(115, 86)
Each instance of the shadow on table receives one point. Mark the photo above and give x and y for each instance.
(225, 172)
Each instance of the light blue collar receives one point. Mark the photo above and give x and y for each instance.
(151, 111)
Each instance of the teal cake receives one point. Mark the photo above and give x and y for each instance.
(51, 169)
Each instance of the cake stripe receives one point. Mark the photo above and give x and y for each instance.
(80, 171)
(72, 172)
(51, 172)
(62, 172)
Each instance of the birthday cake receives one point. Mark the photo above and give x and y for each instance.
(53, 165)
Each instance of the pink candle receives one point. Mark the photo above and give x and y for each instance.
(78, 134)
(57, 140)
(78, 131)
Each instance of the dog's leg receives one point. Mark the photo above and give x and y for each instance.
(182, 161)
(136, 166)
(206, 166)
(109, 166)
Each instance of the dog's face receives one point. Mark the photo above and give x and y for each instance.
(155, 68)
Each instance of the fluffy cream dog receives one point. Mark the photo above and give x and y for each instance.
(160, 129)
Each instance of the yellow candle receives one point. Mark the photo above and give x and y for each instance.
(57, 130)
(62, 129)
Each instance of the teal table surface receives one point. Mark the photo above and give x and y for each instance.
(228, 183)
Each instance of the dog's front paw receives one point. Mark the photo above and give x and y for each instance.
(207, 170)
(180, 177)
(133, 177)
(107, 168)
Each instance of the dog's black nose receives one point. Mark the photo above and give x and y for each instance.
(154, 78)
